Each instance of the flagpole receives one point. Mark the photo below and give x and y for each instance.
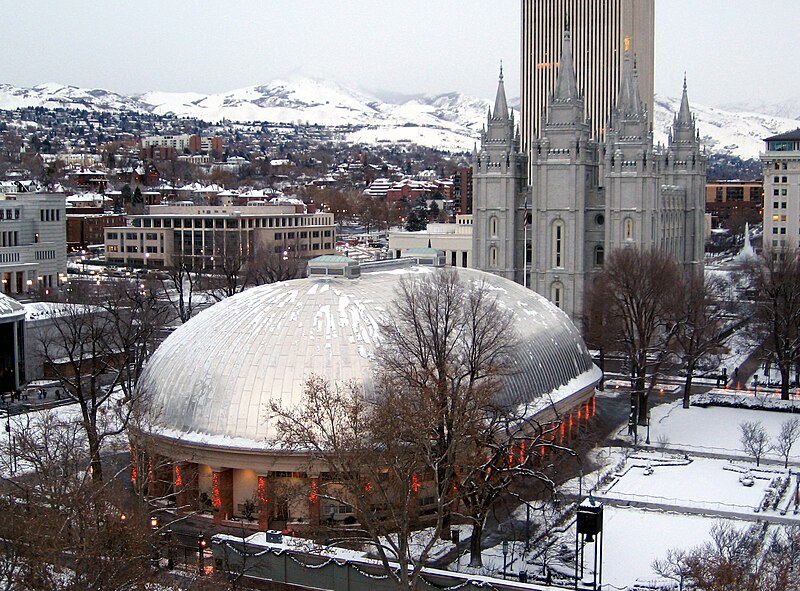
(525, 245)
(525, 257)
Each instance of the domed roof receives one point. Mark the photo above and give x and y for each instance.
(213, 379)
(10, 309)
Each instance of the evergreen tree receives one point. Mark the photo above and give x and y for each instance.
(433, 211)
(124, 199)
(415, 222)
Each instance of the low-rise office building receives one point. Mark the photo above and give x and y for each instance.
(33, 252)
(454, 240)
(724, 197)
(204, 234)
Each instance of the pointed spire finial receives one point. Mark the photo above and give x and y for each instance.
(566, 81)
(566, 22)
(684, 117)
(500, 102)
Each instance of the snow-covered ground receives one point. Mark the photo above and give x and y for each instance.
(634, 538)
(711, 430)
(698, 483)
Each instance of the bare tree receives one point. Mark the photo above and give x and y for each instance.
(641, 289)
(430, 425)
(98, 341)
(702, 326)
(180, 282)
(788, 436)
(233, 255)
(446, 348)
(754, 439)
(673, 567)
(737, 559)
(66, 531)
(505, 449)
(366, 464)
(270, 267)
(776, 277)
(600, 331)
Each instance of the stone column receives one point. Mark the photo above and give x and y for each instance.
(262, 494)
(222, 494)
(185, 485)
(313, 501)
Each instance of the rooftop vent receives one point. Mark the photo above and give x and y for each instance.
(333, 265)
(425, 256)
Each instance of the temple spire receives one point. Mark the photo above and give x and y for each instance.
(567, 84)
(685, 113)
(500, 102)
(630, 101)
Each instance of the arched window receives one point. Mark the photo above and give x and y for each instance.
(493, 256)
(559, 238)
(557, 294)
(493, 227)
(628, 229)
(599, 256)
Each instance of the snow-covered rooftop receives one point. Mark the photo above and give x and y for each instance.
(216, 375)
(10, 309)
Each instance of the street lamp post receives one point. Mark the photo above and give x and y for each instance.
(505, 557)
(11, 455)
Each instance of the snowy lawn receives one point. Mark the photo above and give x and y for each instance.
(712, 429)
(633, 538)
(700, 483)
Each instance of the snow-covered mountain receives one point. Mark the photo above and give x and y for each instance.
(740, 133)
(449, 121)
(788, 109)
(54, 96)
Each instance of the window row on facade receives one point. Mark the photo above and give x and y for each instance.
(49, 215)
(8, 214)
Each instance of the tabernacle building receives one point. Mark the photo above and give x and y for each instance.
(212, 381)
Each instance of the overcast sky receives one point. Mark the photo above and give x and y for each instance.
(732, 50)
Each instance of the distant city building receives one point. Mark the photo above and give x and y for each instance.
(174, 145)
(603, 34)
(95, 180)
(32, 241)
(454, 240)
(462, 190)
(198, 234)
(781, 163)
(86, 225)
(411, 189)
(724, 197)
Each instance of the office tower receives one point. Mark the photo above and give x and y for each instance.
(781, 163)
(602, 31)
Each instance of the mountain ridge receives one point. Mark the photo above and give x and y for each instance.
(449, 121)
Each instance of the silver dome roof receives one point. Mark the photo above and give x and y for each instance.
(212, 380)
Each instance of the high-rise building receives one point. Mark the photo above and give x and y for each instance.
(781, 163)
(603, 32)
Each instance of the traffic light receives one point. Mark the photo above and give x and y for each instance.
(202, 542)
